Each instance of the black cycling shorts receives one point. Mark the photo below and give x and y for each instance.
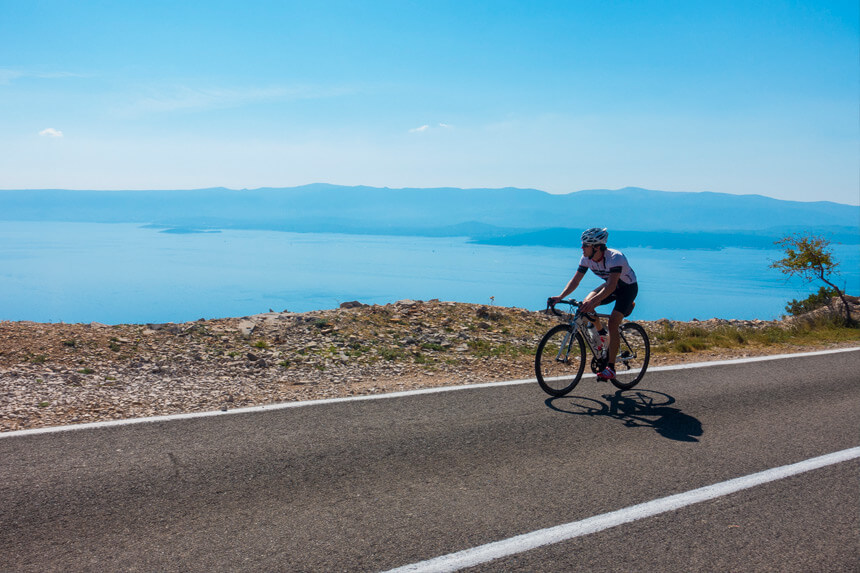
(623, 297)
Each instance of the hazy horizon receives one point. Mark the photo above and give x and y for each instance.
(360, 186)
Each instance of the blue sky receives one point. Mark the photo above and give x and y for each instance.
(734, 97)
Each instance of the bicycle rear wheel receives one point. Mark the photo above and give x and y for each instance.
(560, 360)
(634, 353)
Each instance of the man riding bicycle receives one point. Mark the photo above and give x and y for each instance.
(620, 287)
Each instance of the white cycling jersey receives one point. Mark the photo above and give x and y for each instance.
(613, 261)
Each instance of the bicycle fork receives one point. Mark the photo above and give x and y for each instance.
(564, 349)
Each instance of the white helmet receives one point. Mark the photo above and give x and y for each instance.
(595, 236)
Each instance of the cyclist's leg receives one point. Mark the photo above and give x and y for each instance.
(614, 323)
(625, 296)
(613, 296)
(590, 296)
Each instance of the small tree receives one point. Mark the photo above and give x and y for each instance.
(810, 257)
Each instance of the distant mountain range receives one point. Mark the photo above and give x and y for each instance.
(509, 216)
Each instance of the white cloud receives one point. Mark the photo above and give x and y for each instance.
(51, 132)
(424, 128)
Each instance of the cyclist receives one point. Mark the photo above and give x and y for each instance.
(620, 287)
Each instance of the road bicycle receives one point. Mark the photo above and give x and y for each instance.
(560, 359)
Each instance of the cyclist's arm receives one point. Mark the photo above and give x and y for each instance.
(611, 284)
(571, 286)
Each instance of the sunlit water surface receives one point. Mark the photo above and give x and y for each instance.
(79, 272)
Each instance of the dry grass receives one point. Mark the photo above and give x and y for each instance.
(693, 338)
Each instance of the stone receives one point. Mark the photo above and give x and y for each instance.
(246, 327)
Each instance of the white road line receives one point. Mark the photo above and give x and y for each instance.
(750, 359)
(521, 543)
(285, 405)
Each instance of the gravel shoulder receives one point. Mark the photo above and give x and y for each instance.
(57, 374)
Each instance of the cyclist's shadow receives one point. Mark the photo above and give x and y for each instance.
(636, 408)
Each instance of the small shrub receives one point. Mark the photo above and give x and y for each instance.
(356, 349)
(391, 353)
(480, 347)
(728, 337)
(773, 335)
(697, 332)
(666, 334)
(691, 345)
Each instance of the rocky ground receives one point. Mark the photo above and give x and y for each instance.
(56, 374)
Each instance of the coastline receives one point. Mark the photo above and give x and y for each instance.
(61, 374)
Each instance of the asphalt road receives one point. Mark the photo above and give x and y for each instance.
(373, 485)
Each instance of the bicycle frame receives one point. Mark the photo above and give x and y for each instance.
(578, 322)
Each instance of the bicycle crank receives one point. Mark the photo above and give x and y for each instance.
(598, 364)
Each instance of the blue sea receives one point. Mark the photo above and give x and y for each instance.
(125, 273)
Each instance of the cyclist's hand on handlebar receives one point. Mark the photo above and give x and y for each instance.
(553, 300)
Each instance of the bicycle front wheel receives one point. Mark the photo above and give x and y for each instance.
(560, 360)
(634, 353)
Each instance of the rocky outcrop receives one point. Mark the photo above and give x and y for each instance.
(834, 310)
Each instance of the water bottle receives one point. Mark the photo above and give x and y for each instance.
(596, 342)
(601, 343)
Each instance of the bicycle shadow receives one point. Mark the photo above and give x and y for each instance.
(636, 408)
